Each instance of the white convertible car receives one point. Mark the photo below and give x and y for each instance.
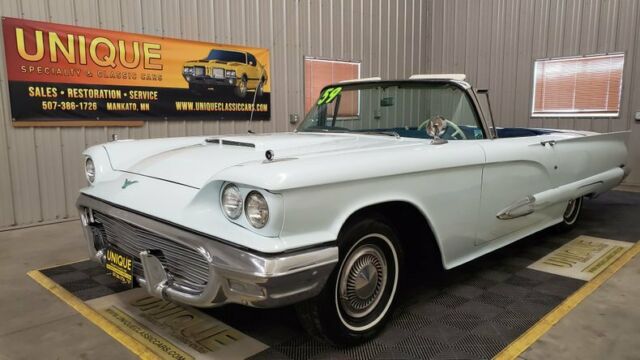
(326, 217)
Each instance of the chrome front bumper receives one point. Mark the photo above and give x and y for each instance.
(235, 275)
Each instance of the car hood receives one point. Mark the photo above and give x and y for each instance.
(196, 161)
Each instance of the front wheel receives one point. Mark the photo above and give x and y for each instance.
(358, 297)
(241, 87)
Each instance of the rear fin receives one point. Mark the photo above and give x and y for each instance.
(621, 135)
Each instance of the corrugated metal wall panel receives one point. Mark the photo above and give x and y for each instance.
(523, 75)
(634, 105)
(627, 39)
(50, 174)
(41, 169)
(7, 209)
(501, 49)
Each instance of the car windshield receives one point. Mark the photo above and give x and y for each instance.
(229, 56)
(403, 109)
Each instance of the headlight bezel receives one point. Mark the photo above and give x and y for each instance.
(89, 169)
(275, 202)
(240, 206)
(253, 195)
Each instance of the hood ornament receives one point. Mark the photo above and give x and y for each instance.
(128, 182)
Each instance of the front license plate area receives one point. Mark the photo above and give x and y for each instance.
(120, 266)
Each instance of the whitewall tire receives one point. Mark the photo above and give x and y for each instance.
(359, 296)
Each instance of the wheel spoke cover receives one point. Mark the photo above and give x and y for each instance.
(363, 278)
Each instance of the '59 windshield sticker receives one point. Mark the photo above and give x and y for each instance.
(329, 95)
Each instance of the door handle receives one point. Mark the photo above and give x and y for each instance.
(550, 142)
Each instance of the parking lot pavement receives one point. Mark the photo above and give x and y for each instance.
(606, 325)
(34, 324)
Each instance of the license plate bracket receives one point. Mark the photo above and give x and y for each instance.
(120, 266)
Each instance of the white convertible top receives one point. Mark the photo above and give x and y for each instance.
(458, 77)
(377, 78)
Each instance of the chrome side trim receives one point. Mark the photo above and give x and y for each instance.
(518, 209)
(592, 185)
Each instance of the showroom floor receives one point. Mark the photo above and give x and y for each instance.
(37, 325)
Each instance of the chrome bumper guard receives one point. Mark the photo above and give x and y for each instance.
(234, 275)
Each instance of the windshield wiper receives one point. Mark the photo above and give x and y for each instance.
(382, 132)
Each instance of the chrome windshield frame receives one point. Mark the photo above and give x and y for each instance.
(462, 85)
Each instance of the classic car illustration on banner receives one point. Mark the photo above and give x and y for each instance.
(379, 174)
(226, 68)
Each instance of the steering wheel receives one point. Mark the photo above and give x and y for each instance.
(429, 123)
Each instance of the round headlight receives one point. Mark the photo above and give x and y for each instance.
(256, 209)
(231, 201)
(89, 170)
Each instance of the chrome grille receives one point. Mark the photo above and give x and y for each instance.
(188, 268)
(218, 73)
(198, 71)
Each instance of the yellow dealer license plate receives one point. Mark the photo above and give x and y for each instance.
(120, 266)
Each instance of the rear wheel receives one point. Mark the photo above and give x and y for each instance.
(260, 88)
(571, 215)
(358, 297)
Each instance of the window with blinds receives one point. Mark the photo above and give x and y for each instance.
(319, 73)
(578, 86)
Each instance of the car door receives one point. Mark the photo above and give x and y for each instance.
(515, 169)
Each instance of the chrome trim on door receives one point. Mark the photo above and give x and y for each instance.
(518, 209)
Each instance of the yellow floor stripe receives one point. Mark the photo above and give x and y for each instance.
(527, 339)
(130, 343)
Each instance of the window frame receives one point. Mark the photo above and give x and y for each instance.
(573, 114)
(228, 51)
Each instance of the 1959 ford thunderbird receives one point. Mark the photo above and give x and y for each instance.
(328, 216)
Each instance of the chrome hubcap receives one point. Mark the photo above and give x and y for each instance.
(363, 277)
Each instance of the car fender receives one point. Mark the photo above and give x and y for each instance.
(314, 215)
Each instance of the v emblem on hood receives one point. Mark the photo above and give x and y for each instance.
(128, 182)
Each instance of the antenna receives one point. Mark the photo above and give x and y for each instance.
(255, 94)
(253, 105)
